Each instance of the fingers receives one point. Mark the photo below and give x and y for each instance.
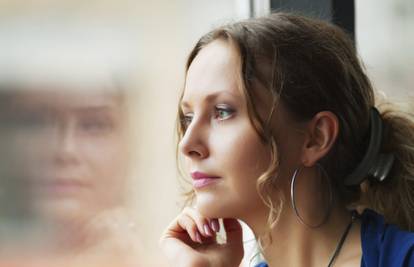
(204, 226)
(214, 223)
(190, 226)
(190, 223)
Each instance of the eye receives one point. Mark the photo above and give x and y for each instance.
(95, 124)
(32, 120)
(223, 112)
(186, 120)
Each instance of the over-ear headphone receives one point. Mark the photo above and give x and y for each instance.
(374, 164)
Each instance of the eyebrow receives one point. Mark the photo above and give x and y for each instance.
(94, 109)
(209, 98)
(78, 110)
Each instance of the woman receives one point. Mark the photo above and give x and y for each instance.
(69, 159)
(278, 128)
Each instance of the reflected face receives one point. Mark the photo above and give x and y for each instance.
(223, 153)
(71, 146)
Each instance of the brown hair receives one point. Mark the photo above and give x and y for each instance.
(309, 66)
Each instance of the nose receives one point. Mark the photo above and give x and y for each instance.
(66, 147)
(194, 142)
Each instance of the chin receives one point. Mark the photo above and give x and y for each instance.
(227, 206)
(214, 206)
(68, 212)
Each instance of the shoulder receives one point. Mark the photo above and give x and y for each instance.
(385, 244)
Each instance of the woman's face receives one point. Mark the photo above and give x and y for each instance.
(72, 150)
(223, 153)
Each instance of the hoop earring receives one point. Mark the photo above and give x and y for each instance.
(292, 197)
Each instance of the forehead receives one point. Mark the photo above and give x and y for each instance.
(65, 99)
(215, 69)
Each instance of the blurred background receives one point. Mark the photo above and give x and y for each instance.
(88, 101)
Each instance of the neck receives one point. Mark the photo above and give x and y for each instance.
(294, 244)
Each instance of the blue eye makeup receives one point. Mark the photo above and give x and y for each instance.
(220, 112)
(223, 112)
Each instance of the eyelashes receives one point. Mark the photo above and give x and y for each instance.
(223, 112)
(220, 113)
(186, 120)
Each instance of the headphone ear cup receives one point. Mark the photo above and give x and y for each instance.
(382, 166)
(373, 164)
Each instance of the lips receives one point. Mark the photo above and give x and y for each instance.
(60, 186)
(201, 179)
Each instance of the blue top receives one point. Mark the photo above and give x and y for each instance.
(383, 245)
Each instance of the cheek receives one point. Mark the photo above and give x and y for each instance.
(249, 165)
(251, 156)
(240, 158)
(242, 149)
(31, 151)
(244, 158)
(106, 160)
(106, 152)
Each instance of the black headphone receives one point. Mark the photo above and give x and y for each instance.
(374, 164)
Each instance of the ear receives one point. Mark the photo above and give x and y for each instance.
(321, 134)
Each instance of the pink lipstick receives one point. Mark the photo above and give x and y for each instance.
(201, 179)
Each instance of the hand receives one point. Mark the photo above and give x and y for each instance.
(190, 241)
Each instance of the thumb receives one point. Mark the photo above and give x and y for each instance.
(234, 232)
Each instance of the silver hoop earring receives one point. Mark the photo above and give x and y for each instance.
(292, 197)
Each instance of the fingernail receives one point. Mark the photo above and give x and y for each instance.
(198, 237)
(215, 225)
(207, 230)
